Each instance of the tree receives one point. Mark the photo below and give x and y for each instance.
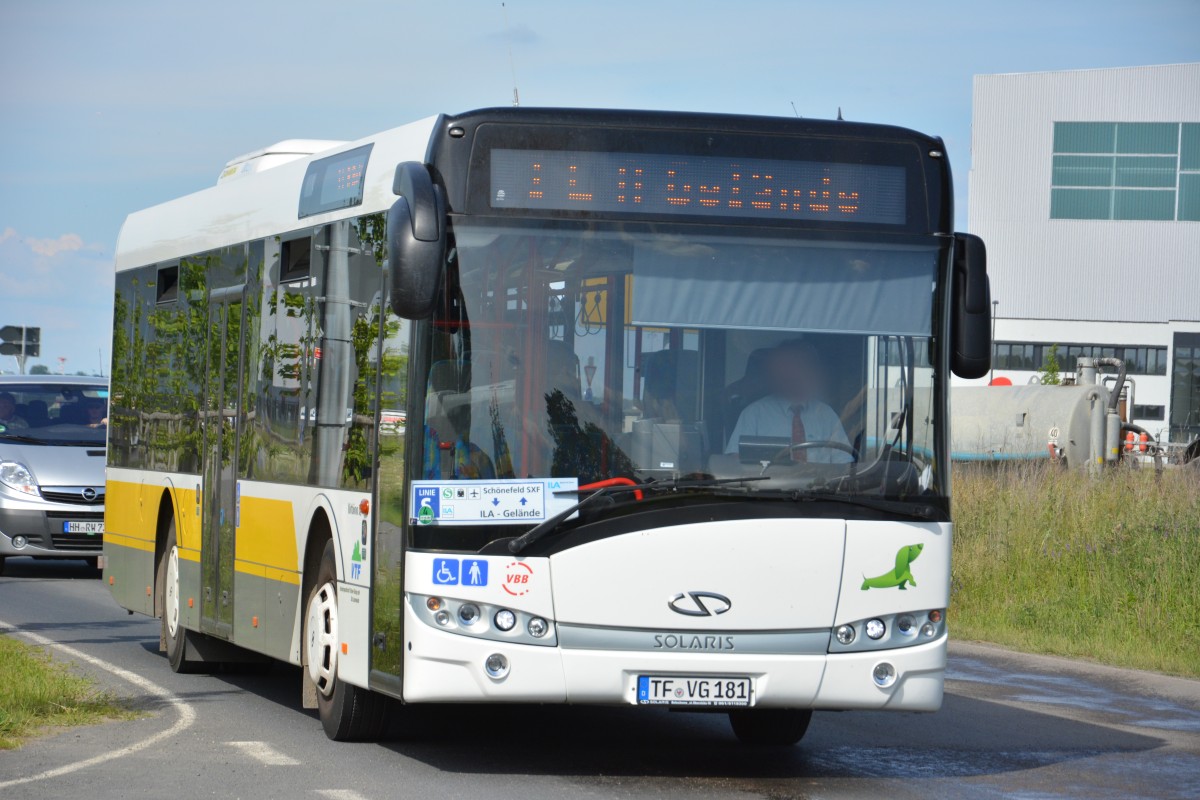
(1049, 370)
(39, 369)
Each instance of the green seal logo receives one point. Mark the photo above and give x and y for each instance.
(425, 515)
(901, 575)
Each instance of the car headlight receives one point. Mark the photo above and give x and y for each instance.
(18, 476)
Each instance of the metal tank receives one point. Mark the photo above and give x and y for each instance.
(1079, 423)
(1015, 423)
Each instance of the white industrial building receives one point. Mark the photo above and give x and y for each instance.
(1085, 186)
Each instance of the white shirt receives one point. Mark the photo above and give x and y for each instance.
(772, 416)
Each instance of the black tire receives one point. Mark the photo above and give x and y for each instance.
(777, 727)
(348, 713)
(1, 565)
(173, 632)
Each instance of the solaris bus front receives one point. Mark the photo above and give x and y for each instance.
(678, 415)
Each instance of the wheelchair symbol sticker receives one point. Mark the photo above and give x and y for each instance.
(445, 571)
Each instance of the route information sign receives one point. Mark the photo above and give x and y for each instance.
(496, 502)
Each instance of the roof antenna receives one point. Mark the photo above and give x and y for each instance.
(840, 114)
(511, 64)
(794, 111)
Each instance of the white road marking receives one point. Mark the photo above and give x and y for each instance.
(187, 715)
(264, 754)
(340, 794)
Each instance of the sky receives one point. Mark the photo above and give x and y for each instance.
(107, 107)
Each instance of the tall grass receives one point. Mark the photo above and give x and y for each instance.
(37, 693)
(1055, 561)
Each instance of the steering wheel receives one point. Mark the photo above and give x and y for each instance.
(815, 443)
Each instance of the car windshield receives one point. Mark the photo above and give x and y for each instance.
(609, 350)
(54, 413)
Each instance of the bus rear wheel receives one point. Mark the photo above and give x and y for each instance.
(770, 726)
(348, 713)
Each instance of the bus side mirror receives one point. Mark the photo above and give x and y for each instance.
(416, 240)
(971, 300)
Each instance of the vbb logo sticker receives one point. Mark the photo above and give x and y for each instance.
(518, 578)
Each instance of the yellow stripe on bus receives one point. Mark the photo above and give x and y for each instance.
(187, 520)
(131, 542)
(124, 512)
(131, 511)
(270, 573)
(266, 535)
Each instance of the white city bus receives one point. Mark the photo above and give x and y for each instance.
(552, 406)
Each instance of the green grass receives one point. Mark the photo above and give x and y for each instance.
(1107, 569)
(38, 693)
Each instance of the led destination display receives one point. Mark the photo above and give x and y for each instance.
(639, 183)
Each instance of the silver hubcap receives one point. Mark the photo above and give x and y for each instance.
(172, 600)
(321, 638)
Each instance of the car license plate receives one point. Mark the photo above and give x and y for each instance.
(682, 690)
(90, 528)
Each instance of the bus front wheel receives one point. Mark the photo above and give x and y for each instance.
(770, 726)
(348, 713)
(173, 632)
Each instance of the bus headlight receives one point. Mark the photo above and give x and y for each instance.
(888, 631)
(468, 613)
(538, 627)
(481, 620)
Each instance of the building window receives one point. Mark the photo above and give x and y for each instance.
(1149, 412)
(1185, 387)
(1031, 356)
(1126, 171)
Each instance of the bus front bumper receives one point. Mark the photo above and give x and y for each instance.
(444, 667)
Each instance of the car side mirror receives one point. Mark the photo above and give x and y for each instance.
(416, 240)
(970, 309)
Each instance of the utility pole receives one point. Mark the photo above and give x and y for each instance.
(992, 373)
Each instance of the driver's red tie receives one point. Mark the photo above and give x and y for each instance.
(798, 436)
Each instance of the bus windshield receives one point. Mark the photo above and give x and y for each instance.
(601, 350)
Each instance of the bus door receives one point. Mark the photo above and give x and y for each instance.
(221, 412)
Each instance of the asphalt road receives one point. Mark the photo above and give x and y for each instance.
(1012, 726)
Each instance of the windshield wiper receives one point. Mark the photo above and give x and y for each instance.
(918, 510)
(16, 437)
(550, 525)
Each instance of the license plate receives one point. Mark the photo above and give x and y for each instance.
(682, 690)
(90, 528)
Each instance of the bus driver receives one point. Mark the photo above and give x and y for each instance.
(792, 410)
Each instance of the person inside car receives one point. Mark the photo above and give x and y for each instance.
(8, 413)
